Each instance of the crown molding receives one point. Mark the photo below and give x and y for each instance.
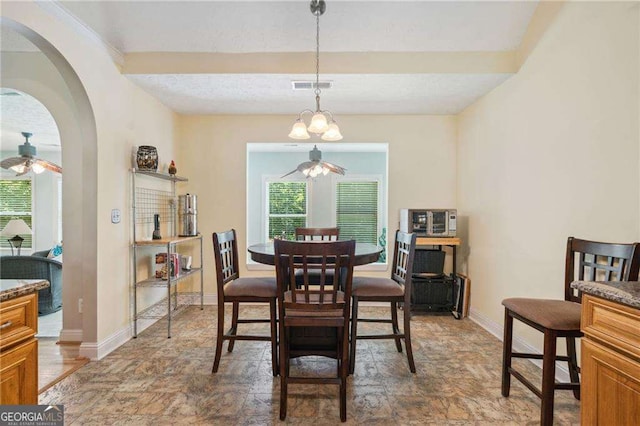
(54, 8)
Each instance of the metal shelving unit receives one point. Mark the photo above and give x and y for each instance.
(146, 202)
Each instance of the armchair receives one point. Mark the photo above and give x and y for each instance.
(36, 267)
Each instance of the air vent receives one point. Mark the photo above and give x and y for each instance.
(311, 85)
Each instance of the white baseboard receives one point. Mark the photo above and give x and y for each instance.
(70, 335)
(96, 351)
(519, 345)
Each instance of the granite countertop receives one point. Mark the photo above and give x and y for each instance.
(10, 289)
(627, 293)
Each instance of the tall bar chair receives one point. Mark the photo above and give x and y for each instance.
(234, 289)
(322, 308)
(315, 234)
(594, 261)
(394, 290)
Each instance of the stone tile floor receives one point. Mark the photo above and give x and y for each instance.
(160, 381)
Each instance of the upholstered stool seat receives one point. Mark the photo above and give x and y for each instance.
(252, 286)
(551, 314)
(375, 286)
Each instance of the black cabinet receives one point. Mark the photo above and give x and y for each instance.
(433, 290)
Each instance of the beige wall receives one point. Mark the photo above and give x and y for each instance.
(113, 115)
(549, 154)
(212, 154)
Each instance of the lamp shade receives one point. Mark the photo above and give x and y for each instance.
(37, 168)
(18, 168)
(16, 227)
(332, 133)
(318, 123)
(299, 130)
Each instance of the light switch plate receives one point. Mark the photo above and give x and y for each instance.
(115, 216)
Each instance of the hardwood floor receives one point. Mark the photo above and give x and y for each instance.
(56, 361)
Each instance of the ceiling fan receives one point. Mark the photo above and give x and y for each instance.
(316, 166)
(28, 161)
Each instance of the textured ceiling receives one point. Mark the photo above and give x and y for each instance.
(23, 113)
(289, 26)
(362, 94)
(351, 28)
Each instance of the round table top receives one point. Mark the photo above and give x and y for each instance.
(365, 253)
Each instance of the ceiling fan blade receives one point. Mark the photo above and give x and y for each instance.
(306, 165)
(335, 169)
(290, 173)
(49, 165)
(10, 162)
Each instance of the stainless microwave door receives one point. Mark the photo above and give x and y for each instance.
(439, 222)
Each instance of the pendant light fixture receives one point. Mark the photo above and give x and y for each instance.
(322, 122)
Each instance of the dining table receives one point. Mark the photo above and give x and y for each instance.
(365, 253)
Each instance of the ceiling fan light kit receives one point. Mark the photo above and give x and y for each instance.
(27, 160)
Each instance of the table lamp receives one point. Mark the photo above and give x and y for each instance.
(15, 228)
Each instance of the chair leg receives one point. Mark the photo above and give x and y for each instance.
(506, 352)
(343, 335)
(573, 365)
(354, 334)
(274, 336)
(394, 325)
(234, 325)
(548, 377)
(407, 339)
(284, 370)
(219, 340)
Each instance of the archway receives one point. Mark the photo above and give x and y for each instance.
(74, 116)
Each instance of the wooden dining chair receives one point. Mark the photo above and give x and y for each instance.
(394, 290)
(317, 234)
(314, 319)
(594, 261)
(313, 234)
(234, 289)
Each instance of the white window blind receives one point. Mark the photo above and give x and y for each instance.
(287, 208)
(357, 210)
(15, 203)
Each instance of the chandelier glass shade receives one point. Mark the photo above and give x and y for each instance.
(322, 122)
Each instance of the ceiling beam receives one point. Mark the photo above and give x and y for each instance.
(330, 63)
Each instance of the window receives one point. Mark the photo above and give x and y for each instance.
(357, 210)
(279, 201)
(287, 208)
(15, 203)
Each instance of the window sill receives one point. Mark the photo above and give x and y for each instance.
(252, 266)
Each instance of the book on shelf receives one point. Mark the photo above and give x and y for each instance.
(164, 268)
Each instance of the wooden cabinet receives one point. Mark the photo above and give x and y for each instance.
(610, 363)
(19, 350)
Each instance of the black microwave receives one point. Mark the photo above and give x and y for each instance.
(429, 222)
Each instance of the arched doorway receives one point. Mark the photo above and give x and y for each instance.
(64, 96)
